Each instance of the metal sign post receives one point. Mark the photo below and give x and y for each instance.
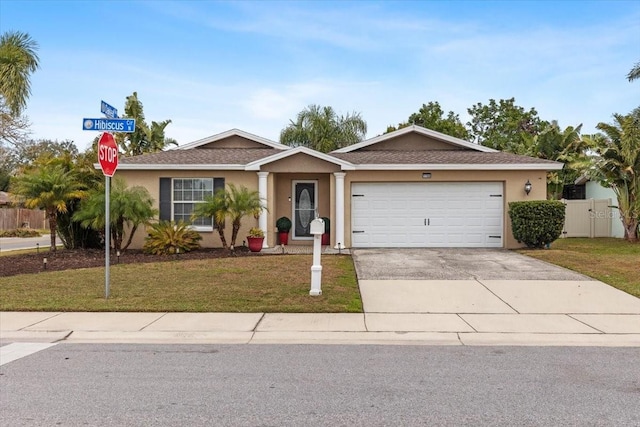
(108, 160)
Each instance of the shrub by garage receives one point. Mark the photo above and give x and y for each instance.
(537, 223)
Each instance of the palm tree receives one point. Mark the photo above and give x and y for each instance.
(242, 202)
(634, 73)
(217, 207)
(128, 206)
(50, 187)
(321, 129)
(18, 59)
(145, 138)
(618, 166)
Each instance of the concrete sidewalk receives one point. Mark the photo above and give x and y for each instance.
(340, 328)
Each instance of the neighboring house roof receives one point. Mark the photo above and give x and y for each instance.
(455, 142)
(4, 198)
(233, 132)
(443, 159)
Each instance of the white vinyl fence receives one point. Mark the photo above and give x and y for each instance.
(589, 218)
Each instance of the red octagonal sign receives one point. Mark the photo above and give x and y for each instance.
(108, 154)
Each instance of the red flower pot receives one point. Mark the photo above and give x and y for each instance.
(283, 236)
(255, 243)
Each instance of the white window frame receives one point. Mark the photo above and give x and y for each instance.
(174, 202)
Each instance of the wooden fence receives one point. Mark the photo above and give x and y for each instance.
(12, 218)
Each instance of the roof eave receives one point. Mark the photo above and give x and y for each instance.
(233, 132)
(132, 166)
(461, 166)
(257, 164)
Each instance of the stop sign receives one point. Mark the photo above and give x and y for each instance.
(107, 154)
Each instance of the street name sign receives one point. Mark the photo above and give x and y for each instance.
(108, 110)
(108, 154)
(110, 125)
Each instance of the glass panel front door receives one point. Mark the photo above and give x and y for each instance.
(304, 208)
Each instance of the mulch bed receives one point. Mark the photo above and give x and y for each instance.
(68, 259)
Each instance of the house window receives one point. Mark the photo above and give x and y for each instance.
(179, 197)
(187, 193)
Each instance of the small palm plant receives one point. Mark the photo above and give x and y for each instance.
(242, 202)
(167, 237)
(217, 207)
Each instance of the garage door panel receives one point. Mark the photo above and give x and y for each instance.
(427, 214)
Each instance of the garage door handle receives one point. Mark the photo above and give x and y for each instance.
(427, 221)
(357, 231)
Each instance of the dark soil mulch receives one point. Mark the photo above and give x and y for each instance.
(64, 259)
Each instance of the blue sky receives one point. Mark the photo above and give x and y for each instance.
(213, 66)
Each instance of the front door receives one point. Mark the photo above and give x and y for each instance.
(304, 208)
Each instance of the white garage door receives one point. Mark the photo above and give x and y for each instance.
(420, 214)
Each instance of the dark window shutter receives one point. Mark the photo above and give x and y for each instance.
(218, 183)
(165, 199)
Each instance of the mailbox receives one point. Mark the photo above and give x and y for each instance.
(317, 227)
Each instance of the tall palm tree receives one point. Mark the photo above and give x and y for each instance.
(618, 166)
(242, 202)
(18, 59)
(128, 206)
(321, 129)
(49, 187)
(217, 207)
(634, 73)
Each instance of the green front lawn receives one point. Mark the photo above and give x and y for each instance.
(613, 261)
(243, 284)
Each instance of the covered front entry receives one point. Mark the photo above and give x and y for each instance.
(433, 214)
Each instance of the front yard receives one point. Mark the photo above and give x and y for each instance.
(277, 283)
(612, 261)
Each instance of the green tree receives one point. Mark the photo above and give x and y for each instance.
(242, 202)
(432, 116)
(617, 166)
(145, 138)
(129, 207)
(503, 125)
(566, 146)
(18, 60)
(321, 129)
(51, 188)
(634, 73)
(217, 207)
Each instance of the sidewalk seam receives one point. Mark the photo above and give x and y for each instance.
(152, 322)
(584, 323)
(496, 295)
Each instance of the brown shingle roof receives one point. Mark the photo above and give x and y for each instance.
(438, 157)
(214, 156)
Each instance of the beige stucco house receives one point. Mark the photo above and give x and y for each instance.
(410, 188)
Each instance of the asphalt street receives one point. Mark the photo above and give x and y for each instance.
(293, 385)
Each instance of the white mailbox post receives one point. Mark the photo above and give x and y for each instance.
(317, 229)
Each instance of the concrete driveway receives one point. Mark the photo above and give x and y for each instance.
(487, 291)
(454, 264)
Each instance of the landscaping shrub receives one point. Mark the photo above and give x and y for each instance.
(537, 223)
(20, 232)
(167, 237)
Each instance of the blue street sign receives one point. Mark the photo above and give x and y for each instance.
(108, 110)
(110, 125)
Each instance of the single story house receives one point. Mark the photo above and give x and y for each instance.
(413, 187)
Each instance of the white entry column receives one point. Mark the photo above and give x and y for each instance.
(262, 191)
(339, 219)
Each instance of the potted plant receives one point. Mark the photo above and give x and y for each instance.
(255, 239)
(326, 237)
(283, 225)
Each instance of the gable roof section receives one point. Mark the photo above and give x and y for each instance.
(255, 165)
(214, 159)
(233, 132)
(455, 142)
(444, 160)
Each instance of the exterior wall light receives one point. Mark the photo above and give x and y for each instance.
(426, 175)
(527, 187)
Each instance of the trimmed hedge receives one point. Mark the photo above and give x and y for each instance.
(20, 232)
(537, 223)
